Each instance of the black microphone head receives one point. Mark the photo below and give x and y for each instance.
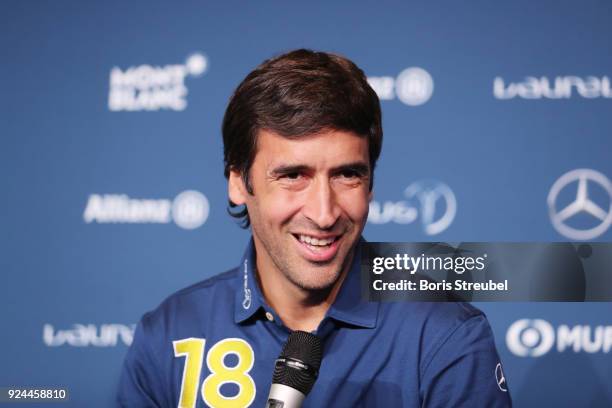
(299, 362)
(305, 347)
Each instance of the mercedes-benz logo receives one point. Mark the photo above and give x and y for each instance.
(582, 204)
(501, 378)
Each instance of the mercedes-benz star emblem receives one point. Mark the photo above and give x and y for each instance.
(582, 204)
(501, 378)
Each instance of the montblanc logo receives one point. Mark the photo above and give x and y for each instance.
(413, 86)
(432, 200)
(84, 335)
(189, 210)
(152, 88)
(561, 87)
(536, 337)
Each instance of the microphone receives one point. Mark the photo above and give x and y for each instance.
(295, 370)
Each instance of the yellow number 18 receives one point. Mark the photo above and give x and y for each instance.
(193, 350)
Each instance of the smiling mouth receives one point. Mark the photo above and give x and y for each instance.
(317, 244)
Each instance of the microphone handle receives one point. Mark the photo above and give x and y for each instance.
(282, 396)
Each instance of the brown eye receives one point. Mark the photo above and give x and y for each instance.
(349, 174)
(292, 176)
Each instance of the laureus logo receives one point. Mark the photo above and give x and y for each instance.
(560, 87)
(431, 201)
(85, 335)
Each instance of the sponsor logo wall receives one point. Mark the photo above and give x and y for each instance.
(583, 181)
(115, 199)
(413, 86)
(536, 337)
(431, 201)
(84, 335)
(151, 88)
(560, 87)
(188, 210)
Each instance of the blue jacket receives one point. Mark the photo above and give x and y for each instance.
(215, 344)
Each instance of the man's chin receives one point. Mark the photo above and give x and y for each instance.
(317, 280)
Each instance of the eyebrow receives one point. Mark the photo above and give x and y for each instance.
(284, 169)
(358, 167)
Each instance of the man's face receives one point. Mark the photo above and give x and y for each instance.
(309, 204)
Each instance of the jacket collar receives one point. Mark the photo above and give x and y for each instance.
(348, 306)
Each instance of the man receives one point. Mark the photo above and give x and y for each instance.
(302, 134)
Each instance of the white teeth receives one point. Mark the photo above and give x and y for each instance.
(314, 241)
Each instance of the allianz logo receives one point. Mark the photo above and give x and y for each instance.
(84, 335)
(151, 88)
(188, 210)
(413, 86)
(561, 87)
(536, 337)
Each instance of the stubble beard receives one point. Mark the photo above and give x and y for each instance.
(289, 268)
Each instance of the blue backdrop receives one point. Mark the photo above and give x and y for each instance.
(497, 120)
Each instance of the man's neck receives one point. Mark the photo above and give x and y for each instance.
(298, 308)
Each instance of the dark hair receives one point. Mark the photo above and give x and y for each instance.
(299, 93)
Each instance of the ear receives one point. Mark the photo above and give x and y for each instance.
(370, 196)
(236, 188)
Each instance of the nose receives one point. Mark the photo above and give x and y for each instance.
(321, 206)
